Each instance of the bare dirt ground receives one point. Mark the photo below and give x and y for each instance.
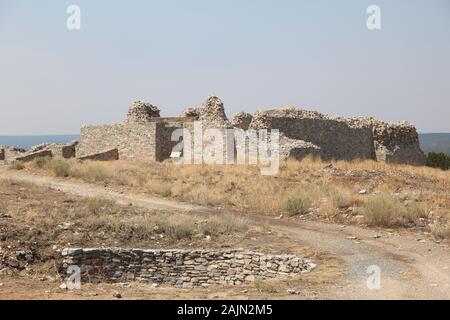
(413, 265)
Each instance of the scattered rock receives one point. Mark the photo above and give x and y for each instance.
(63, 286)
(363, 191)
(292, 291)
(117, 295)
(65, 226)
(13, 263)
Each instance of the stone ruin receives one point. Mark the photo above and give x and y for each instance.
(242, 120)
(146, 135)
(306, 132)
(142, 112)
(57, 150)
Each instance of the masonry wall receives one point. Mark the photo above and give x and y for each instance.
(184, 268)
(66, 151)
(397, 143)
(133, 141)
(164, 129)
(333, 139)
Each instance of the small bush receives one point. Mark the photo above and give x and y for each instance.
(386, 211)
(60, 167)
(266, 286)
(91, 172)
(177, 226)
(98, 205)
(440, 230)
(438, 160)
(216, 225)
(298, 204)
(166, 192)
(41, 162)
(17, 165)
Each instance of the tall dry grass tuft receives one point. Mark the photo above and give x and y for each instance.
(16, 165)
(386, 211)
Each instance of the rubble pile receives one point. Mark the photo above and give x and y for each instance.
(141, 112)
(242, 120)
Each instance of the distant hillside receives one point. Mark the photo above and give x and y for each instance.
(435, 142)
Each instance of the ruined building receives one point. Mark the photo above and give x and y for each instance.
(146, 135)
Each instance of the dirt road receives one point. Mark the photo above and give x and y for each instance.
(411, 266)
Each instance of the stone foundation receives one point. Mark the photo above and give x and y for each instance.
(184, 268)
(65, 151)
(34, 155)
(102, 156)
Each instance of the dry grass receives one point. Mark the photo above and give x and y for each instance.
(298, 203)
(440, 230)
(48, 217)
(16, 165)
(267, 286)
(386, 211)
(398, 194)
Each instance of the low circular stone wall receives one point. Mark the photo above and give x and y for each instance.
(184, 268)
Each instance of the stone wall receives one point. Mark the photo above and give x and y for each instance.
(333, 138)
(11, 153)
(397, 143)
(30, 156)
(65, 151)
(145, 135)
(133, 140)
(164, 129)
(184, 268)
(107, 155)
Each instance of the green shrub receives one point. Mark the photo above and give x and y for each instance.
(17, 165)
(438, 160)
(298, 204)
(41, 162)
(60, 167)
(386, 211)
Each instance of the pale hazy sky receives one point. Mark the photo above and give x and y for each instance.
(253, 54)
